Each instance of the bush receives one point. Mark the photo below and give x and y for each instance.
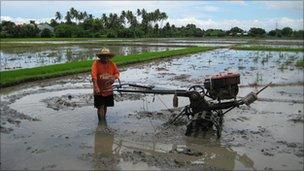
(46, 33)
(69, 30)
(287, 31)
(215, 32)
(299, 34)
(111, 34)
(256, 32)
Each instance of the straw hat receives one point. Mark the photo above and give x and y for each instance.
(104, 52)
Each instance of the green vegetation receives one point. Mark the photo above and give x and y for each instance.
(268, 48)
(14, 77)
(35, 45)
(300, 63)
(127, 24)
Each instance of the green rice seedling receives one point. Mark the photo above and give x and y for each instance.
(14, 77)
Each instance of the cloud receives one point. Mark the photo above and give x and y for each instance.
(209, 8)
(20, 20)
(267, 24)
(225, 24)
(239, 2)
(293, 5)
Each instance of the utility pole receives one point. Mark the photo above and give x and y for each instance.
(276, 29)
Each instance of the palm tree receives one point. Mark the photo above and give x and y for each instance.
(138, 12)
(104, 19)
(58, 16)
(123, 13)
(68, 17)
(110, 20)
(85, 15)
(131, 19)
(74, 13)
(80, 16)
(145, 19)
(122, 16)
(163, 16)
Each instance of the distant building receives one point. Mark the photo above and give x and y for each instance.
(42, 26)
(245, 33)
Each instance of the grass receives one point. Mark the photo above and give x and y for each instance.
(20, 46)
(88, 39)
(55, 39)
(14, 77)
(16, 45)
(300, 63)
(145, 39)
(267, 48)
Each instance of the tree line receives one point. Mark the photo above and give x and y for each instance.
(141, 24)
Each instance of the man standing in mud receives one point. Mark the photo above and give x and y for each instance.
(104, 72)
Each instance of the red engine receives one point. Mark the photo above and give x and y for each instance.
(223, 85)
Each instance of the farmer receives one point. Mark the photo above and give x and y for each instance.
(104, 72)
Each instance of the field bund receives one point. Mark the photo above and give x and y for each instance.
(14, 77)
(268, 48)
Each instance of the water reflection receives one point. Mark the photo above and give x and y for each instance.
(105, 156)
(214, 155)
(27, 58)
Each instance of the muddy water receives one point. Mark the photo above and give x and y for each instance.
(41, 56)
(24, 57)
(268, 135)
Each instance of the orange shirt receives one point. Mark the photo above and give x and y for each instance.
(101, 72)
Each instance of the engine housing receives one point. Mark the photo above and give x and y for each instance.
(223, 85)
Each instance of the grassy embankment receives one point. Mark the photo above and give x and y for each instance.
(17, 45)
(14, 77)
(81, 39)
(268, 48)
(253, 39)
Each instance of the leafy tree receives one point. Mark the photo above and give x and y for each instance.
(215, 32)
(276, 32)
(287, 31)
(67, 30)
(111, 34)
(46, 33)
(53, 23)
(272, 33)
(126, 24)
(256, 32)
(166, 31)
(28, 30)
(8, 29)
(235, 31)
(298, 34)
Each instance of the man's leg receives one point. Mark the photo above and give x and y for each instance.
(101, 112)
(98, 111)
(105, 110)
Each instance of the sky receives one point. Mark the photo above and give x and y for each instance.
(204, 14)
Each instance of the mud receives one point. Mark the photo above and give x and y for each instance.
(10, 116)
(21, 57)
(70, 102)
(267, 135)
(64, 51)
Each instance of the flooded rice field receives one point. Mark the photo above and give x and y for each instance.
(65, 51)
(41, 56)
(52, 124)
